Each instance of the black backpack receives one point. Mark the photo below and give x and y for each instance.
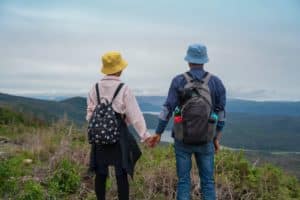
(104, 125)
(196, 109)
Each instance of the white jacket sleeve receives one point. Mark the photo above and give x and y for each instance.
(134, 115)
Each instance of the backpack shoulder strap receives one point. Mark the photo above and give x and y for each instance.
(206, 78)
(188, 77)
(117, 91)
(98, 94)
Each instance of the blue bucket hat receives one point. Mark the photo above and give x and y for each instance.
(197, 54)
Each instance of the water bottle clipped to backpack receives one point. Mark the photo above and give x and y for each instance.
(178, 126)
(212, 122)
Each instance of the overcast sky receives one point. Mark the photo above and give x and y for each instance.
(54, 47)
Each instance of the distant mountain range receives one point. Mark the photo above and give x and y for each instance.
(250, 124)
(154, 103)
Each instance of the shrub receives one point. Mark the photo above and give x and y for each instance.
(11, 170)
(31, 191)
(9, 116)
(61, 153)
(65, 179)
(236, 177)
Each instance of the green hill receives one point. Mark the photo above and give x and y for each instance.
(258, 132)
(73, 108)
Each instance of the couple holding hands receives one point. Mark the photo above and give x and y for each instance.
(196, 99)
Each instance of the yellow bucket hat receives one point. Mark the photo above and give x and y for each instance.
(112, 62)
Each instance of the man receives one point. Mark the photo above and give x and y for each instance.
(204, 152)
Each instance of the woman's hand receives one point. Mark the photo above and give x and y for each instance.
(152, 140)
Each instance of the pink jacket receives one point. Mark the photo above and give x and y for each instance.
(124, 103)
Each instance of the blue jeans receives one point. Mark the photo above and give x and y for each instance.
(204, 155)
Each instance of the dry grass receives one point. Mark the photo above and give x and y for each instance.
(155, 177)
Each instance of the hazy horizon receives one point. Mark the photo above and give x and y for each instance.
(64, 97)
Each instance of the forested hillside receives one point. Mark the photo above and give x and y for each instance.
(252, 126)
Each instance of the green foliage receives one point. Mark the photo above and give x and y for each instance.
(31, 191)
(266, 183)
(91, 196)
(11, 170)
(290, 162)
(155, 175)
(65, 179)
(9, 116)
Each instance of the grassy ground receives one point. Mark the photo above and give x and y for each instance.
(290, 162)
(50, 162)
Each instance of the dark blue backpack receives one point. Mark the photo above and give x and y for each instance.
(104, 125)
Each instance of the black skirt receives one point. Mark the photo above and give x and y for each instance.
(108, 155)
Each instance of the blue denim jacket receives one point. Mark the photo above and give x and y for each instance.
(218, 95)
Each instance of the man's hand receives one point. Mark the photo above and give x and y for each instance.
(156, 139)
(152, 140)
(217, 145)
(149, 141)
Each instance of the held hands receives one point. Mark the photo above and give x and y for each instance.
(153, 140)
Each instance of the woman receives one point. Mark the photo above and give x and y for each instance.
(123, 103)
